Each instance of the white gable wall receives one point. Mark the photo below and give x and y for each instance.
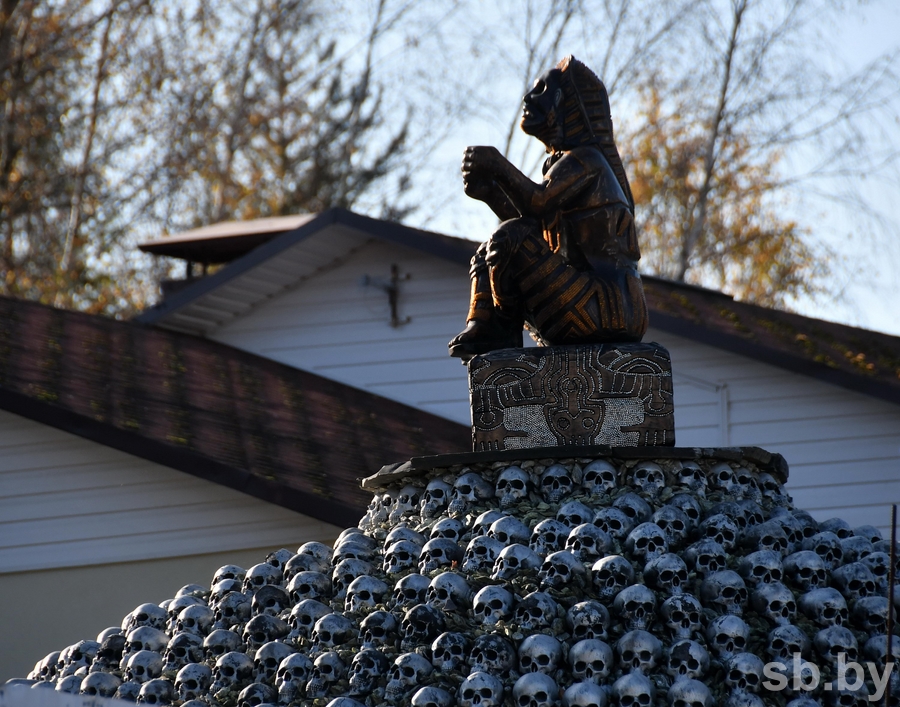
(87, 533)
(843, 448)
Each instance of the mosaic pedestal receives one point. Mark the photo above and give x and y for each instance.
(618, 395)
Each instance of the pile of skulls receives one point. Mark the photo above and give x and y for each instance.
(554, 583)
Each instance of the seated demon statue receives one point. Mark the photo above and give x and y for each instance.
(564, 260)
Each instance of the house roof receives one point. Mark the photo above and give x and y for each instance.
(223, 242)
(864, 361)
(207, 409)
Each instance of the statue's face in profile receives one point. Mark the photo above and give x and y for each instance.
(541, 116)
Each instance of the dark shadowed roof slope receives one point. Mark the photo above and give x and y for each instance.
(864, 361)
(274, 432)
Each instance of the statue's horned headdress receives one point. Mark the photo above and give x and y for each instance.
(587, 116)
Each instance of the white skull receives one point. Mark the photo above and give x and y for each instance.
(484, 521)
(591, 660)
(575, 513)
(748, 484)
(721, 529)
(610, 575)
(440, 553)
(304, 616)
(147, 615)
(155, 692)
(688, 660)
(646, 541)
(184, 648)
(539, 653)
(689, 473)
(366, 668)
(402, 532)
(774, 601)
(724, 591)
(826, 545)
(480, 690)
(379, 630)
(304, 563)
(687, 503)
(492, 653)
(549, 536)
(536, 690)
(260, 575)
(682, 614)
(469, 490)
(233, 670)
(233, 610)
(78, 655)
(666, 573)
(448, 592)
(674, 523)
(492, 604)
(856, 547)
(634, 690)
(268, 658)
(420, 626)
(806, 570)
(772, 490)
(562, 569)
(103, 684)
(584, 694)
(599, 478)
(448, 652)
(327, 669)
(613, 521)
(513, 560)
(143, 666)
(638, 650)
(767, 536)
(556, 483)
(449, 528)
(432, 696)
(723, 478)
(228, 572)
(588, 543)
(406, 504)
(824, 606)
(690, 693)
(318, 586)
(481, 554)
(409, 591)
(649, 478)
(635, 606)
(220, 642)
(871, 614)
(832, 641)
(512, 486)
(855, 581)
(587, 620)
(536, 611)
(291, 678)
(261, 629)
(435, 498)
(365, 593)
(197, 619)
(727, 635)
(331, 632)
(635, 507)
(744, 672)
(785, 641)
(761, 567)
(509, 531)
(402, 556)
(705, 557)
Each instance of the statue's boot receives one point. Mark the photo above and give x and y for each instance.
(487, 328)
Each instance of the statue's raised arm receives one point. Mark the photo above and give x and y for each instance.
(564, 260)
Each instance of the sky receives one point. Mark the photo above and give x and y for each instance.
(868, 258)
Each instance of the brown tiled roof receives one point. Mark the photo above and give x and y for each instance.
(862, 360)
(275, 432)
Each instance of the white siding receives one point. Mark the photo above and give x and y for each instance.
(66, 501)
(338, 327)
